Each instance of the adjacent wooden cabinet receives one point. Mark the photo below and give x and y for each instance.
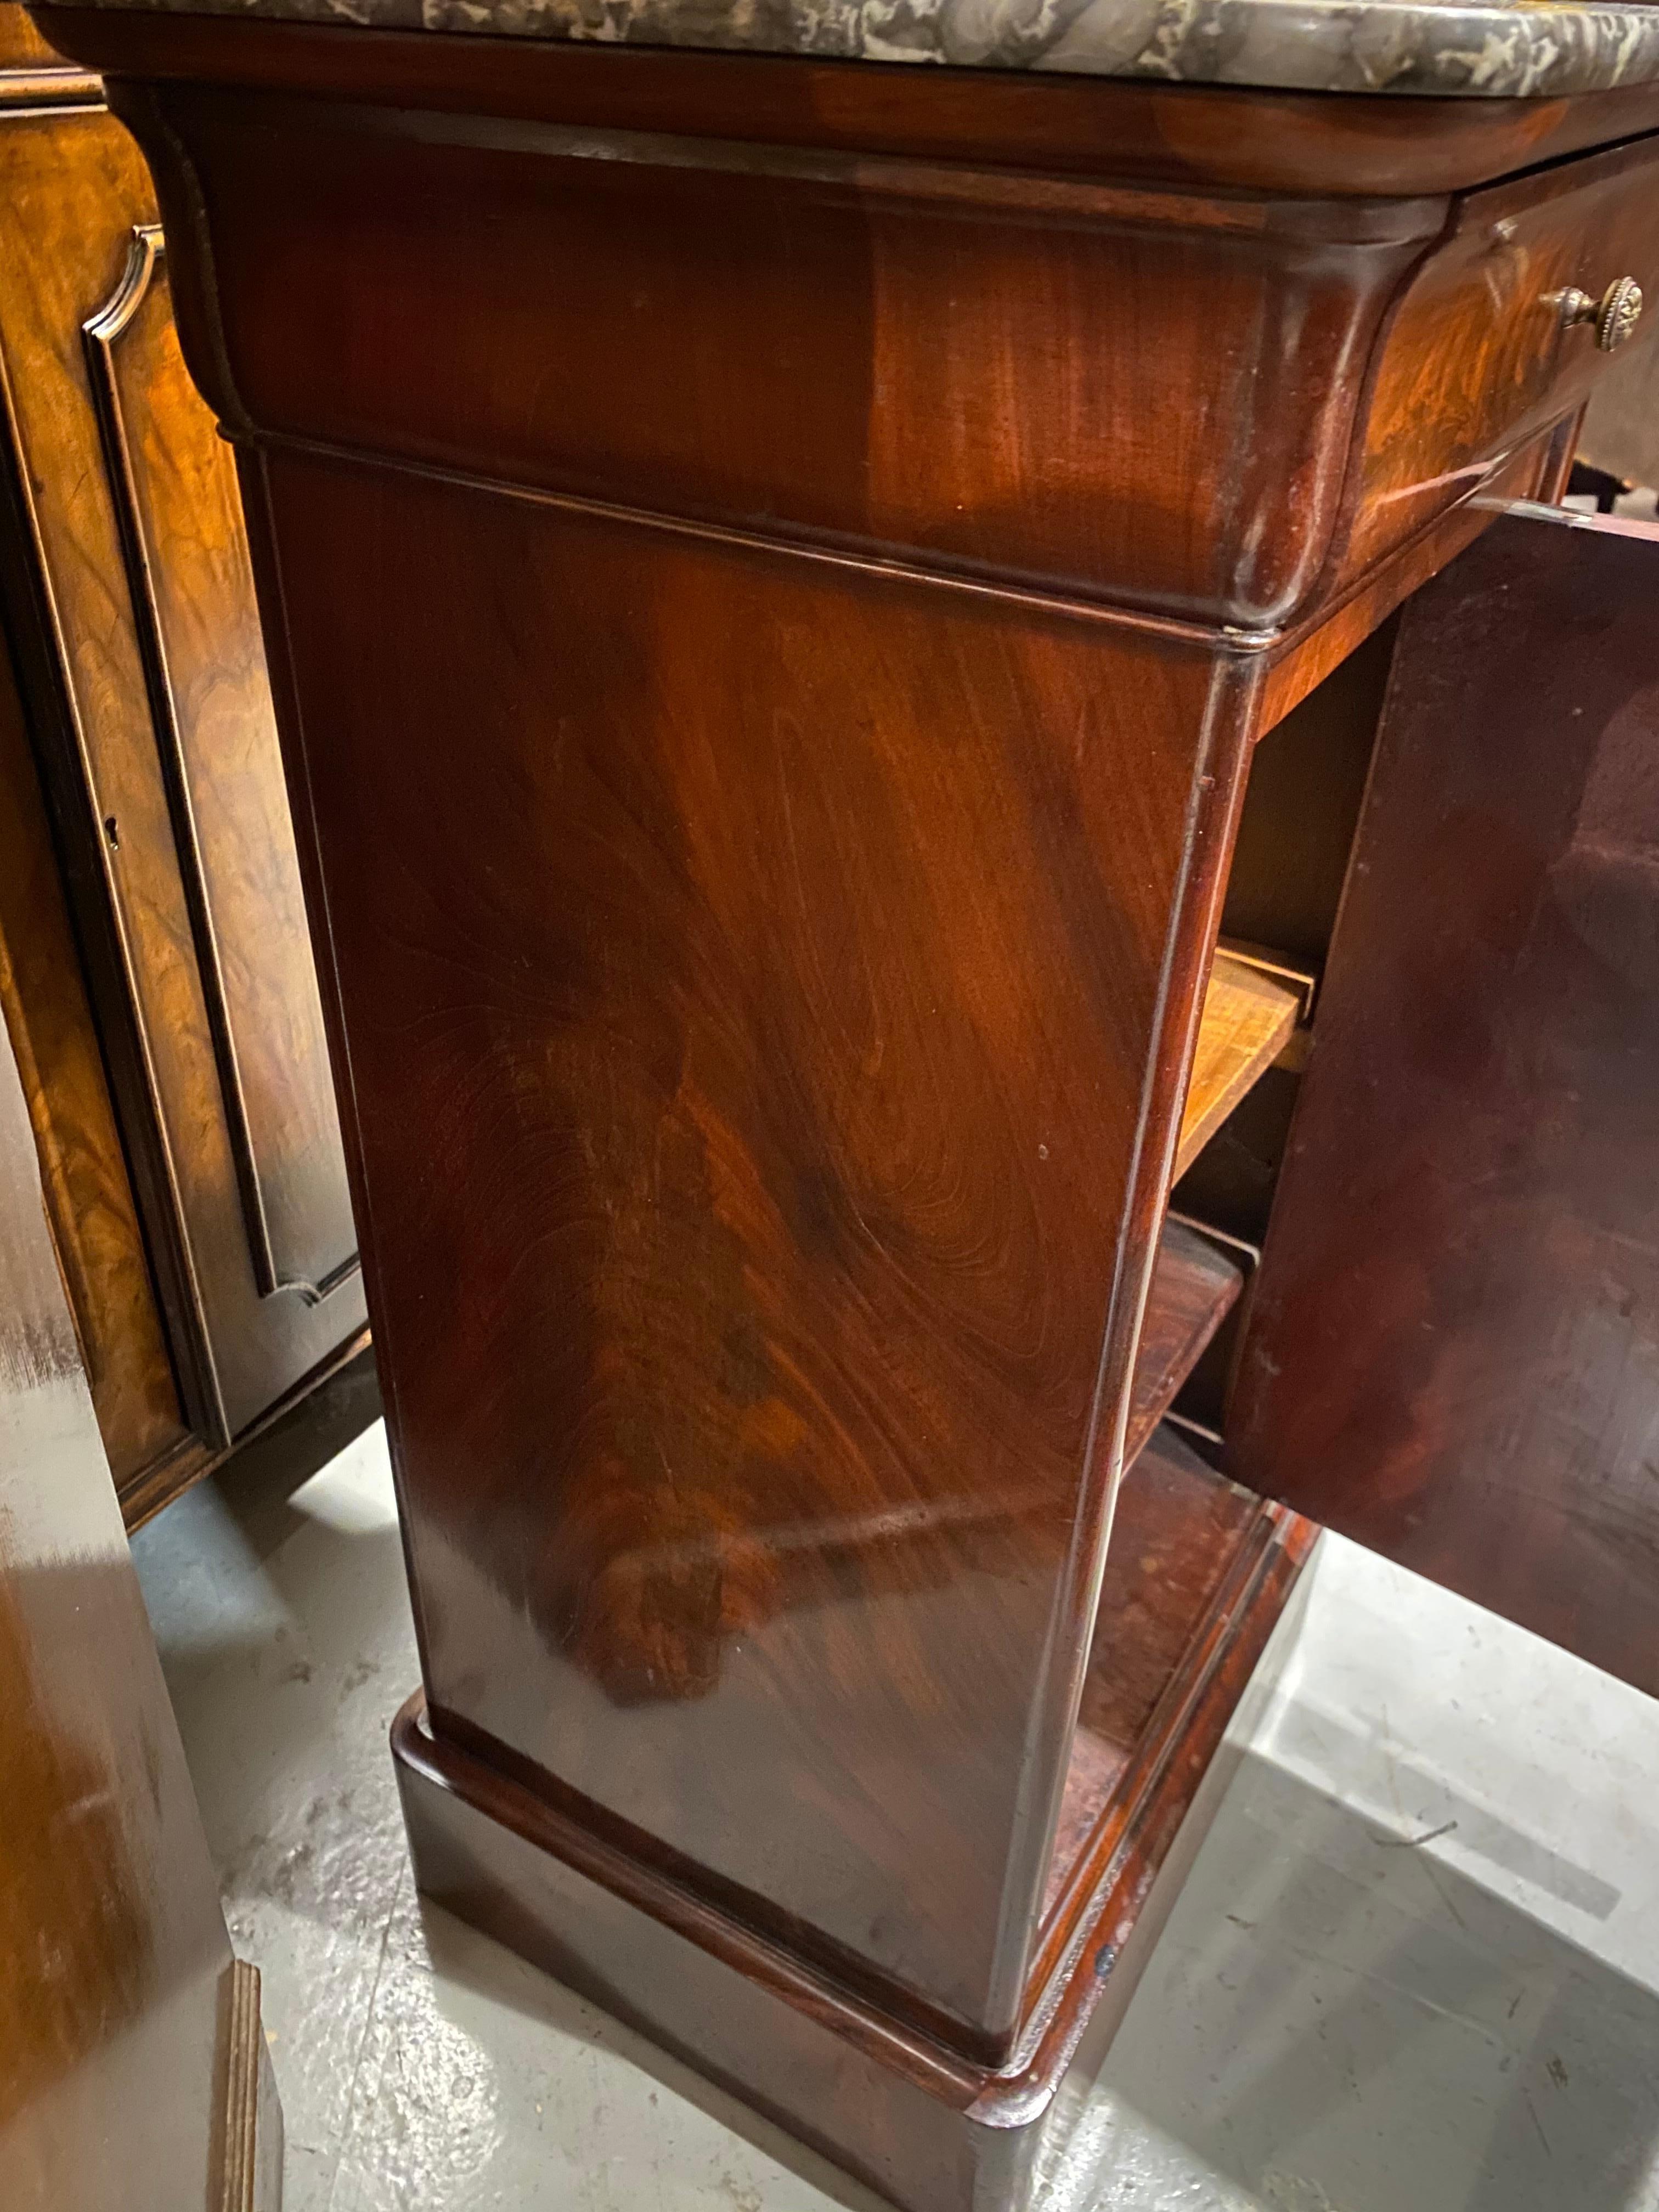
(154, 967)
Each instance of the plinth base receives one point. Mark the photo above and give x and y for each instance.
(923, 2124)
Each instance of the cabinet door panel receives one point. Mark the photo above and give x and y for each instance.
(151, 697)
(199, 632)
(1454, 1350)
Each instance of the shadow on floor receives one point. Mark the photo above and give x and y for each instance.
(260, 1478)
(1336, 2020)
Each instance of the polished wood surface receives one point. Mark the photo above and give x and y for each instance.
(1451, 1350)
(1194, 1286)
(895, 393)
(785, 1072)
(31, 72)
(54, 1041)
(1477, 357)
(998, 445)
(181, 520)
(1248, 1020)
(114, 2001)
(1314, 649)
(183, 980)
(1181, 1534)
(21, 46)
(1206, 1578)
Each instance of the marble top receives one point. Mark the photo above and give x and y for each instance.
(1494, 48)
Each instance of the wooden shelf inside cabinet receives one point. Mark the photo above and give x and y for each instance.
(1183, 1587)
(1194, 1288)
(1248, 1020)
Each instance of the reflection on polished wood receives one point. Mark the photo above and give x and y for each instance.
(1203, 1575)
(116, 2052)
(1249, 1019)
(174, 485)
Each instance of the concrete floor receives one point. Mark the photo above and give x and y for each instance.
(1415, 1967)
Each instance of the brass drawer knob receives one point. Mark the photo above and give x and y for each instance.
(1615, 314)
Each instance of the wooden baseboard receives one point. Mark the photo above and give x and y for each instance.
(251, 2164)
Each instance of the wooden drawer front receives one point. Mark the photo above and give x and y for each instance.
(1139, 396)
(1477, 358)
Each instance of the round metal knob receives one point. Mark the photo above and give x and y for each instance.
(1614, 315)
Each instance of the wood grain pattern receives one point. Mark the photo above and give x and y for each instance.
(808, 1107)
(1313, 649)
(250, 2160)
(1476, 359)
(89, 1199)
(72, 189)
(1249, 1019)
(111, 2064)
(181, 516)
(894, 391)
(1451, 1354)
(902, 399)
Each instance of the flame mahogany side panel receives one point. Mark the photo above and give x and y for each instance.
(751, 970)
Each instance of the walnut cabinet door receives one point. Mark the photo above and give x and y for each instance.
(131, 605)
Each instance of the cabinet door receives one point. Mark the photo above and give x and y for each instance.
(151, 698)
(1453, 1351)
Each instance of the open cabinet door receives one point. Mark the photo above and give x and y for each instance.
(133, 2074)
(1454, 1352)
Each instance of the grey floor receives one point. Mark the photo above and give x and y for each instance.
(1415, 1967)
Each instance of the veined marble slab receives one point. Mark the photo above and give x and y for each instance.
(1495, 48)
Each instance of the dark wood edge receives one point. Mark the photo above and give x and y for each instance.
(482, 1775)
(1163, 1782)
(143, 1496)
(928, 571)
(1338, 145)
(1327, 634)
(248, 2142)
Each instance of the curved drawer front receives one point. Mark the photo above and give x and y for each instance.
(1479, 356)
